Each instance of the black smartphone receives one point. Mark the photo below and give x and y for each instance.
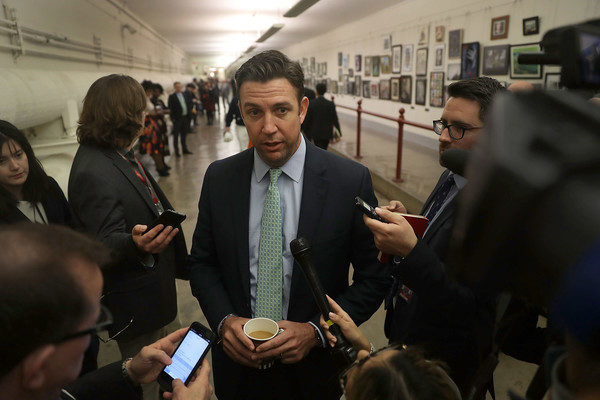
(366, 209)
(168, 218)
(187, 357)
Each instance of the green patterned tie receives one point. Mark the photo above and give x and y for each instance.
(269, 290)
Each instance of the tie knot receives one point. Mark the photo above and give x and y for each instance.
(274, 174)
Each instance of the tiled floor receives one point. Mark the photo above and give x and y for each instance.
(183, 190)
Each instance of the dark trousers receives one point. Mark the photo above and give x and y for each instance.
(181, 127)
(322, 143)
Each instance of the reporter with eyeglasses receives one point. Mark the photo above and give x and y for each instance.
(426, 306)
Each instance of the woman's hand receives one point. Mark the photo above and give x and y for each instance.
(351, 332)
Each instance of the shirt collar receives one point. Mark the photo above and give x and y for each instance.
(459, 180)
(292, 168)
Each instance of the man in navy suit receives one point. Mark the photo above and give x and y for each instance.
(251, 206)
(181, 105)
(426, 306)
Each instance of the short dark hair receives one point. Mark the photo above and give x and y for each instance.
(147, 85)
(321, 88)
(403, 376)
(41, 301)
(482, 89)
(268, 65)
(37, 184)
(112, 112)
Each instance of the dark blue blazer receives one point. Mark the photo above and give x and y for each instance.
(219, 261)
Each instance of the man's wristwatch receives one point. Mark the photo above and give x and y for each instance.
(125, 374)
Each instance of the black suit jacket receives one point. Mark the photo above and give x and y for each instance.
(108, 200)
(219, 260)
(55, 205)
(320, 119)
(175, 105)
(443, 316)
(106, 383)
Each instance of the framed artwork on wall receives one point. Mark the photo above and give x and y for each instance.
(406, 89)
(358, 63)
(424, 36)
(386, 41)
(350, 72)
(421, 67)
(340, 74)
(386, 66)
(552, 81)
(469, 60)
(366, 89)
(346, 57)
(440, 33)
(395, 89)
(368, 66)
(407, 58)
(351, 88)
(375, 89)
(384, 89)
(439, 51)
(495, 60)
(420, 91)
(357, 85)
(375, 61)
(334, 87)
(396, 59)
(324, 68)
(520, 71)
(531, 26)
(499, 27)
(312, 69)
(453, 72)
(454, 43)
(436, 89)
(345, 81)
(340, 57)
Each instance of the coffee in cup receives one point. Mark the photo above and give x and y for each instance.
(261, 330)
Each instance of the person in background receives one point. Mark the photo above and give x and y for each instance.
(26, 192)
(163, 128)
(180, 106)
(224, 91)
(152, 142)
(240, 127)
(191, 92)
(395, 372)
(321, 118)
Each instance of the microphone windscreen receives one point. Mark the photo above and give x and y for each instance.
(298, 245)
(455, 160)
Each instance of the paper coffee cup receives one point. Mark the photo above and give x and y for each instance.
(260, 330)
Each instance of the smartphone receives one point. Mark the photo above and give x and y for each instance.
(168, 218)
(187, 357)
(366, 209)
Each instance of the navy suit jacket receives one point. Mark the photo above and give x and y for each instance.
(175, 105)
(443, 316)
(219, 260)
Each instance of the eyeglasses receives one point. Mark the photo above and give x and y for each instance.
(456, 132)
(105, 319)
(344, 374)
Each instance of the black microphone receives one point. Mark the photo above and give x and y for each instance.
(455, 160)
(301, 252)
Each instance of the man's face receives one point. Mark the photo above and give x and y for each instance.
(461, 112)
(177, 87)
(273, 117)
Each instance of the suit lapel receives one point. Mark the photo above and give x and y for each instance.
(240, 206)
(446, 214)
(127, 169)
(434, 191)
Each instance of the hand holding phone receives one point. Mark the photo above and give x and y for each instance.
(366, 209)
(168, 218)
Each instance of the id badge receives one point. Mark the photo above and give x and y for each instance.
(405, 293)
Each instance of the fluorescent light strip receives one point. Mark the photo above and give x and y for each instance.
(272, 30)
(299, 8)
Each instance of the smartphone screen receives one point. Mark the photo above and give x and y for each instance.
(186, 357)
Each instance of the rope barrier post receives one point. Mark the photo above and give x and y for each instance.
(358, 124)
(400, 140)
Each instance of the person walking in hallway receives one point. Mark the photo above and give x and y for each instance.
(321, 118)
(180, 106)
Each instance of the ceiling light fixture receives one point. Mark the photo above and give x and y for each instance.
(299, 8)
(270, 32)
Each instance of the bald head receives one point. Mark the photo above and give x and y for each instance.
(521, 86)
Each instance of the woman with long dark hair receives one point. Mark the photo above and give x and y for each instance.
(26, 192)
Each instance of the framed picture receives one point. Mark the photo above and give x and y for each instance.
(358, 63)
(346, 57)
(420, 91)
(424, 36)
(366, 89)
(454, 43)
(340, 74)
(386, 66)
(375, 61)
(368, 66)
(357, 85)
(439, 51)
(340, 59)
(495, 60)
(519, 71)
(439, 33)
(531, 26)
(351, 88)
(406, 89)
(552, 81)
(395, 89)
(313, 70)
(386, 42)
(324, 68)
(334, 87)
(374, 89)
(407, 58)
(350, 72)
(384, 89)
(453, 72)
(345, 81)
(469, 60)
(499, 27)
(436, 89)
(421, 68)
(319, 70)
(396, 59)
